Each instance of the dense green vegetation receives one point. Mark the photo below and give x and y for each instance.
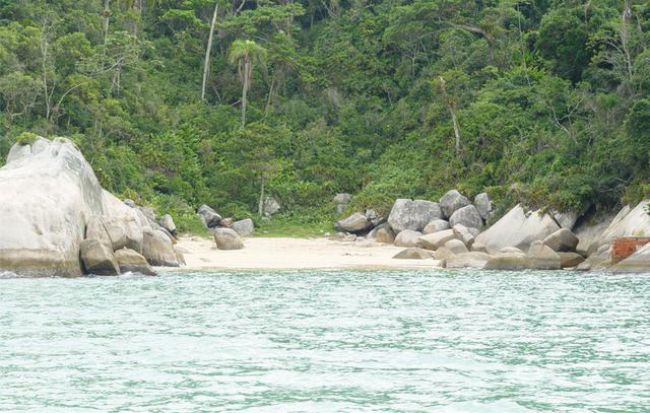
(541, 101)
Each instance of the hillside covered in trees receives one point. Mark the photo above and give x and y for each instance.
(180, 103)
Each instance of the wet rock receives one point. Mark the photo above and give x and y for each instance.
(541, 257)
(130, 261)
(158, 249)
(98, 258)
(468, 260)
(570, 259)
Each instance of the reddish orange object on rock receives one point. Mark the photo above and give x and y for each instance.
(624, 247)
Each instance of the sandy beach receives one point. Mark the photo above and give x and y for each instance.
(294, 254)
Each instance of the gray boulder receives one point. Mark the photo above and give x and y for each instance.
(636, 263)
(98, 258)
(517, 228)
(635, 223)
(374, 217)
(562, 240)
(443, 254)
(436, 240)
(468, 260)
(244, 227)
(435, 226)
(123, 224)
(167, 222)
(413, 254)
(601, 259)
(407, 238)
(383, 234)
(464, 234)
(483, 205)
(451, 202)
(355, 224)
(209, 216)
(158, 249)
(467, 216)
(541, 257)
(48, 193)
(413, 215)
(456, 246)
(130, 261)
(341, 201)
(507, 261)
(271, 206)
(570, 259)
(566, 219)
(227, 239)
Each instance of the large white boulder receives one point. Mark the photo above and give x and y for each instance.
(517, 228)
(635, 223)
(48, 192)
(413, 215)
(637, 262)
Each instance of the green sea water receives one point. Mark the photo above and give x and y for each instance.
(463, 341)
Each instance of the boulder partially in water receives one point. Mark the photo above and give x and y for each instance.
(518, 228)
(48, 193)
(56, 220)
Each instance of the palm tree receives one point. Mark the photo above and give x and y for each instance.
(245, 53)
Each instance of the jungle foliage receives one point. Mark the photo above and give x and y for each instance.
(541, 101)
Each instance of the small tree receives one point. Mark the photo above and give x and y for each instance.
(245, 53)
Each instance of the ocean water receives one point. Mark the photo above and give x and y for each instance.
(464, 341)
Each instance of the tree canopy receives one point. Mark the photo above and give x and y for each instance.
(219, 101)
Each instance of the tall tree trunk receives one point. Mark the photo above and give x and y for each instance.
(208, 50)
(107, 18)
(244, 94)
(452, 111)
(625, 35)
(44, 56)
(260, 205)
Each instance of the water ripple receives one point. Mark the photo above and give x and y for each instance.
(461, 341)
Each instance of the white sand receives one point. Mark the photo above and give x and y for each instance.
(294, 254)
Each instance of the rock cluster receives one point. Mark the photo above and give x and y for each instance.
(227, 232)
(57, 220)
(452, 231)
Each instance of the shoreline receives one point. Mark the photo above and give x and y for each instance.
(294, 254)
